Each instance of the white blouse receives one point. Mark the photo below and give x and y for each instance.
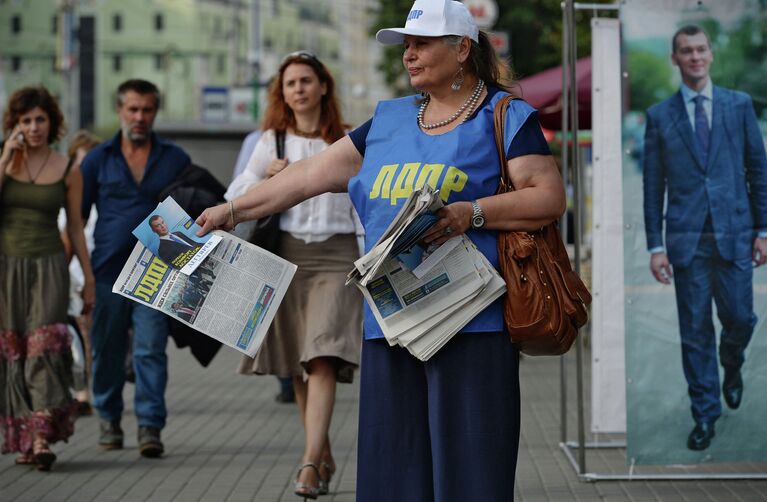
(313, 220)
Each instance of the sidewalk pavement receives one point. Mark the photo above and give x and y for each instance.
(228, 440)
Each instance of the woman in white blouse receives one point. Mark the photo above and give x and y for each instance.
(315, 337)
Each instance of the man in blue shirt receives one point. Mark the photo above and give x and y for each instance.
(123, 177)
(704, 158)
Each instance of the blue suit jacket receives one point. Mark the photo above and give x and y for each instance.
(732, 186)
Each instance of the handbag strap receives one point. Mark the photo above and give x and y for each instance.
(279, 138)
(499, 120)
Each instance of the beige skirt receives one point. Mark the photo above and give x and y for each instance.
(319, 316)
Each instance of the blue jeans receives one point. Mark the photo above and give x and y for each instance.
(112, 317)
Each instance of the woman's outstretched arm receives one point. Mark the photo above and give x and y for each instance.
(328, 171)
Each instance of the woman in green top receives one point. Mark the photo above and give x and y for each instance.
(36, 407)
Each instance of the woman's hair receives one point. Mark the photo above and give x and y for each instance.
(484, 63)
(81, 139)
(280, 117)
(27, 98)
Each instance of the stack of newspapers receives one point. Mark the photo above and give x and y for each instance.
(422, 295)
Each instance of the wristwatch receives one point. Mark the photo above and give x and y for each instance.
(477, 216)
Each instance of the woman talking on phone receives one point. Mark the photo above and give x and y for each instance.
(36, 408)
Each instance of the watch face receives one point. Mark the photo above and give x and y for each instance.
(478, 221)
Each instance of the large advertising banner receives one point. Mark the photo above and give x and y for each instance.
(695, 201)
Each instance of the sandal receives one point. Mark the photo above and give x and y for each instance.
(306, 490)
(324, 487)
(25, 459)
(43, 456)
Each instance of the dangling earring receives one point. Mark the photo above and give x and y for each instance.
(458, 79)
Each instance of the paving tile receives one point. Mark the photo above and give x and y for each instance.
(228, 440)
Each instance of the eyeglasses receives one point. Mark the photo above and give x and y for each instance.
(300, 55)
(304, 56)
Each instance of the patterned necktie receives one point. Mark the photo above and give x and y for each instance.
(701, 128)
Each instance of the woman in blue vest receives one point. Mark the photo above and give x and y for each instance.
(446, 429)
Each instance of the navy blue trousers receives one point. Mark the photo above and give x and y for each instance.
(444, 430)
(729, 284)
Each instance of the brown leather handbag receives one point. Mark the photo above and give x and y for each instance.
(546, 302)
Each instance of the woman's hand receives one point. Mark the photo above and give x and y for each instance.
(89, 295)
(14, 143)
(454, 220)
(276, 166)
(215, 218)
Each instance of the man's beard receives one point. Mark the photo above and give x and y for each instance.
(135, 137)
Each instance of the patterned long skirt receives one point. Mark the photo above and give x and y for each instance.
(35, 353)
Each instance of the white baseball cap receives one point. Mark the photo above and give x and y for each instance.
(433, 18)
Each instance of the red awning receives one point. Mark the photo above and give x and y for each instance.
(544, 91)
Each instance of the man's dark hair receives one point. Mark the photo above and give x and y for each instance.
(153, 219)
(689, 30)
(139, 86)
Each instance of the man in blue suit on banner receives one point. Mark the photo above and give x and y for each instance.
(705, 156)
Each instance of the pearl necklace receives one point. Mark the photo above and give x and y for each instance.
(469, 104)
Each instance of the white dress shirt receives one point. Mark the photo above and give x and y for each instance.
(313, 220)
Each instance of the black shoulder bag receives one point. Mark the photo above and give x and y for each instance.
(265, 232)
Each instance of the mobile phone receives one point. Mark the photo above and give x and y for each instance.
(18, 155)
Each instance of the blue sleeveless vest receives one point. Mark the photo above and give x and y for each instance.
(462, 164)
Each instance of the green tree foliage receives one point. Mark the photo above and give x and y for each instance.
(740, 58)
(650, 79)
(534, 28)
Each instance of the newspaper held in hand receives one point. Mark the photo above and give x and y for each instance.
(231, 296)
(172, 236)
(421, 297)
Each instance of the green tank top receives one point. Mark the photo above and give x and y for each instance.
(29, 217)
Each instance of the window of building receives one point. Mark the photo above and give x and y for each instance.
(117, 22)
(217, 26)
(15, 64)
(159, 61)
(221, 63)
(117, 63)
(54, 25)
(16, 24)
(159, 22)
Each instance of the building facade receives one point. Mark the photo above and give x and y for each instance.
(210, 58)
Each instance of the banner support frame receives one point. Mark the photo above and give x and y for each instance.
(571, 448)
(591, 477)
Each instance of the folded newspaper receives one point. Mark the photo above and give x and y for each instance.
(232, 295)
(421, 297)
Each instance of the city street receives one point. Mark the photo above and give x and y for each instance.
(228, 440)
